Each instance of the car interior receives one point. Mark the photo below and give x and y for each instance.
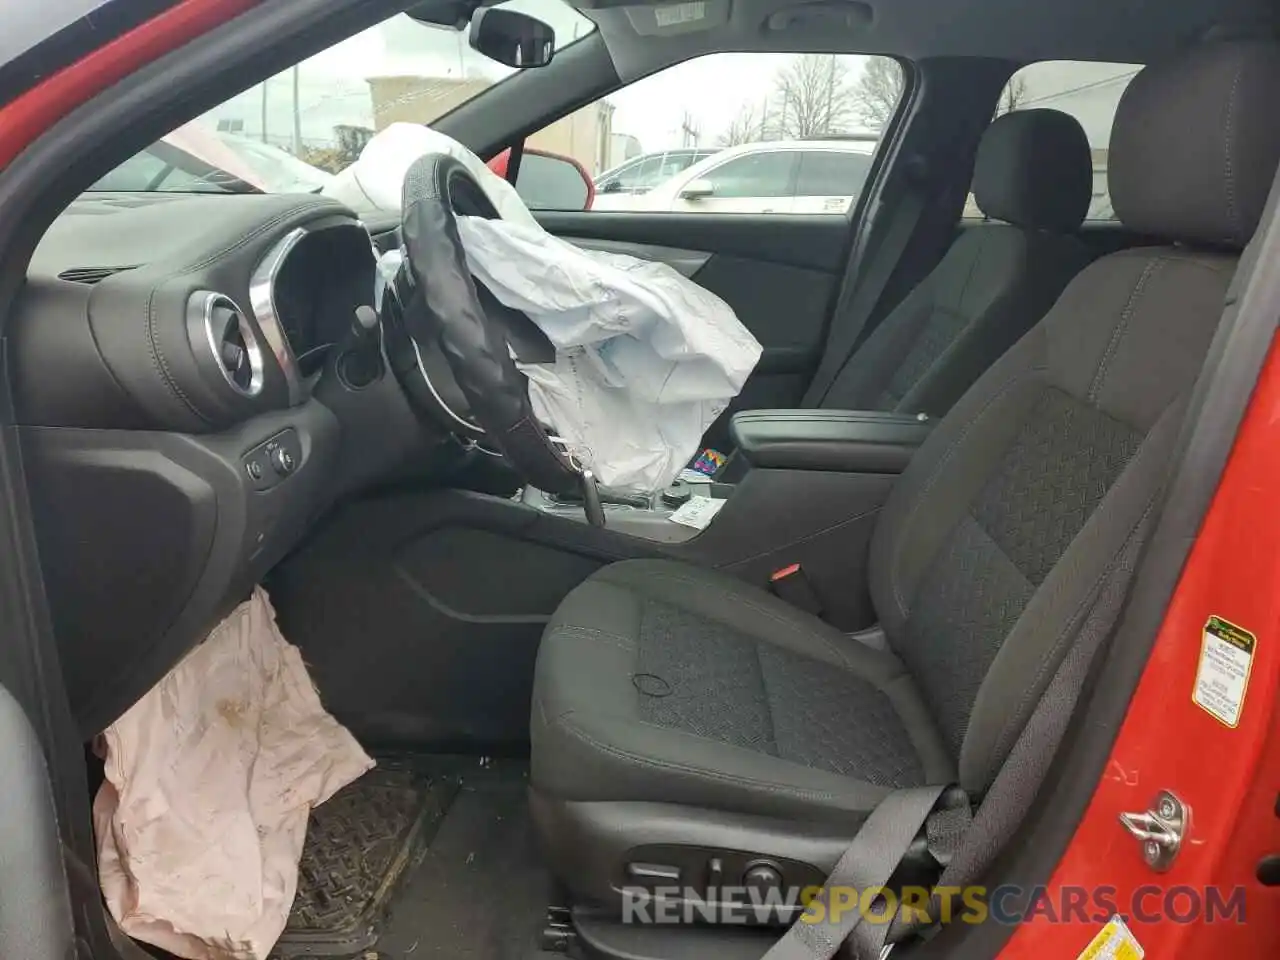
(955, 447)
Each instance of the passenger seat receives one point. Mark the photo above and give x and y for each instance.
(1034, 172)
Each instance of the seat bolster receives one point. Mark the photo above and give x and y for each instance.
(590, 743)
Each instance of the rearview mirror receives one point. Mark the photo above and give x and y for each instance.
(512, 38)
(697, 190)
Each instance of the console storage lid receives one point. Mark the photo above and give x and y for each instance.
(845, 441)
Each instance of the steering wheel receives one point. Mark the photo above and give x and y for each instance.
(447, 310)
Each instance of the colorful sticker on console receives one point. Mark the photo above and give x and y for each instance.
(1222, 679)
(1113, 942)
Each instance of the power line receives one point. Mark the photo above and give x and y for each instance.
(1105, 81)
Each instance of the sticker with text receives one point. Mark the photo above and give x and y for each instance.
(1222, 679)
(1113, 942)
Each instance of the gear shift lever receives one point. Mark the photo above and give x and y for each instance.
(591, 499)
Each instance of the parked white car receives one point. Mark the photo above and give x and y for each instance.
(784, 176)
(641, 174)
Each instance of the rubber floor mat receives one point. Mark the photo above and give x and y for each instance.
(359, 845)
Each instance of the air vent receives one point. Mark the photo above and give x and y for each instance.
(233, 345)
(90, 275)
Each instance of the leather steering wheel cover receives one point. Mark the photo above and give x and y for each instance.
(476, 349)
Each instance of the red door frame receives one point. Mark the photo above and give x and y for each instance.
(1229, 778)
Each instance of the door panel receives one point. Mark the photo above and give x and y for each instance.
(779, 274)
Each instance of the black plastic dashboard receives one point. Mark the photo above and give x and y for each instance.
(182, 423)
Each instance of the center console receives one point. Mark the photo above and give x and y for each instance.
(646, 515)
(815, 482)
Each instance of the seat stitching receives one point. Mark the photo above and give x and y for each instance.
(591, 633)
(937, 472)
(746, 601)
(1122, 327)
(767, 785)
(1233, 211)
(980, 249)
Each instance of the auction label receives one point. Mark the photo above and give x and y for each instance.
(1114, 942)
(1226, 658)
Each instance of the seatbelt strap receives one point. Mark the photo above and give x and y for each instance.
(867, 863)
(859, 297)
(884, 838)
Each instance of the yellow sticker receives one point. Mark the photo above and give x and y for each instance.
(1222, 679)
(1113, 942)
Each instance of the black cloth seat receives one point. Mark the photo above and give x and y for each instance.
(1034, 172)
(664, 682)
(677, 706)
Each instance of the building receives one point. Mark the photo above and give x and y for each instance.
(586, 134)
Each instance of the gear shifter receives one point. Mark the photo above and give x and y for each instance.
(591, 499)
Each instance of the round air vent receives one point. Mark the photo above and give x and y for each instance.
(232, 342)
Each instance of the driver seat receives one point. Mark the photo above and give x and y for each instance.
(687, 725)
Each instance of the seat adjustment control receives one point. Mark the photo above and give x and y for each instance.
(763, 875)
(653, 874)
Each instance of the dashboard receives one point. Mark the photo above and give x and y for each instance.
(177, 368)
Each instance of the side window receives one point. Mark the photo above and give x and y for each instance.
(644, 144)
(832, 173)
(636, 176)
(1088, 91)
(768, 174)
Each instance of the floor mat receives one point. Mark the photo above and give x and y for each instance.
(359, 846)
(480, 890)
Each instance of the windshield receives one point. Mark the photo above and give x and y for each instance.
(293, 132)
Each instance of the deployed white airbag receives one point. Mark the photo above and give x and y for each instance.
(210, 778)
(646, 359)
(376, 179)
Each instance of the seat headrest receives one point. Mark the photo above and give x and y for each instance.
(1195, 143)
(1034, 169)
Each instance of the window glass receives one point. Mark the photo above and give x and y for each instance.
(756, 175)
(292, 132)
(669, 127)
(832, 173)
(1090, 92)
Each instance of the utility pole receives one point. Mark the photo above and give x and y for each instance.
(297, 116)
(831, 94)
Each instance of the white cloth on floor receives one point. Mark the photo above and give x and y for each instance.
(210, 778)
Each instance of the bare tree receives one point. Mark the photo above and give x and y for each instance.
(878, 91)
(745, 128)
(1013, 95)
(812, 96)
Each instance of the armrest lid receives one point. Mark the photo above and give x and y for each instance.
(845, 441)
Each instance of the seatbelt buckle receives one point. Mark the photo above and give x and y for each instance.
(789, 583)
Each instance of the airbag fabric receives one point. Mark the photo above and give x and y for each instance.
(646, 359)
(210, 778)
